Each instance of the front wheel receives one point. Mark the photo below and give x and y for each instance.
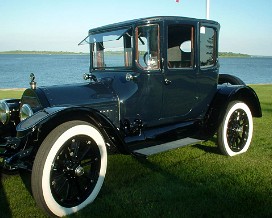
(235, 131)
(69, 168)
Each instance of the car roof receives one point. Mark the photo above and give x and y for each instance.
(147, 20)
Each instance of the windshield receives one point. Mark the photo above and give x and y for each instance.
(111, 49)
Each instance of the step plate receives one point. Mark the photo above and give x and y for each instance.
(167, 146)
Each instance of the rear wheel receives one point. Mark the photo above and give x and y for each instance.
(69, 168)
(235, 131)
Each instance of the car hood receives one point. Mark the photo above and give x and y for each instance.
(95, 95)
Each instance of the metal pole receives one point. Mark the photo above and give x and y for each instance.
(207, 9)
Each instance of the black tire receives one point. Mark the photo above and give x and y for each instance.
(235, 131)
(69, 168)
(229, 80)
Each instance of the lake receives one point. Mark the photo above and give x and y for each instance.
(63, 69)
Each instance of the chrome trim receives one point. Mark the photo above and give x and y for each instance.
(25, 112)
(4, 112)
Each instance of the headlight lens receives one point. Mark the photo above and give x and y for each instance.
(4, 112)
(25, 112)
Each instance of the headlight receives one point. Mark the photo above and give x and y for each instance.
(4, 112)
(25, 112)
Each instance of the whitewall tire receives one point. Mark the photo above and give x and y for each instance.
(69, 168)
(235, 131)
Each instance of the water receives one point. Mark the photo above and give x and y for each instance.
(251, 70)
(63, 69)
(48, 69)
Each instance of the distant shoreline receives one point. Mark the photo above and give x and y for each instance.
(221, 54)
(43, 52)
(234, 55)
(12, 89)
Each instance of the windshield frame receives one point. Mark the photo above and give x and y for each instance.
(110, 49)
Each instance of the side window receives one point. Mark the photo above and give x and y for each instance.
(180, 50)
(207, 47)
(147, 44)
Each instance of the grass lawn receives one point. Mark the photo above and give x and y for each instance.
(194, 181)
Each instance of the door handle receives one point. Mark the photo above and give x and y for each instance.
(167, 81)
(130, 77)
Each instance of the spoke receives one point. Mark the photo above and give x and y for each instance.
(87, 149)
(75, 148)
(65, 154)
(235, 116)
(90, 177)
(241, 140)
(82, 184)
(68, 191)
(86, 177)
(237, 142)
(57, 176)
(245, 135)
(87, 163)
(78, 187)
(234, 142)
(245, 122)
(59, 188)
(59, 163)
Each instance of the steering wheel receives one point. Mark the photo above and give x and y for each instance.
(146, 58)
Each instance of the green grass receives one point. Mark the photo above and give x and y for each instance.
(194, 181)
(10, 93)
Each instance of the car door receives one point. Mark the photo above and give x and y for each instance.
(179, 88)
(144, 106)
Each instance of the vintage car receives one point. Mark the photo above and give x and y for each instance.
(153, 85)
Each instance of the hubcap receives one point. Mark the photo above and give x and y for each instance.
(79, 171)
(237, 130)
(75, 171)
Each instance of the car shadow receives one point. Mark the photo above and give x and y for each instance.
(207, 149)
(4, 204)
(181, 182)
(26, 179)
(132, 188)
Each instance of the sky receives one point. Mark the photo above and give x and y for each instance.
(59, 25)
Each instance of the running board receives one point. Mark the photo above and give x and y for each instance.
(165, 147)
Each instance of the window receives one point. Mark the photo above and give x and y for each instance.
(207, 47)
(111, 49)
(180, 51)
(147, 43)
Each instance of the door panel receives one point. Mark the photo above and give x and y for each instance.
(179, 96)
(180, 91)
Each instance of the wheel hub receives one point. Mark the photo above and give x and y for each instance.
(73, 169)
(79, 171)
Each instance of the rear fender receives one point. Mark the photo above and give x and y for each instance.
(225, 95)
(38, 126)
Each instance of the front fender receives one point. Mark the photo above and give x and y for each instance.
(43, 122)
(31, 123)
(225, 95)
